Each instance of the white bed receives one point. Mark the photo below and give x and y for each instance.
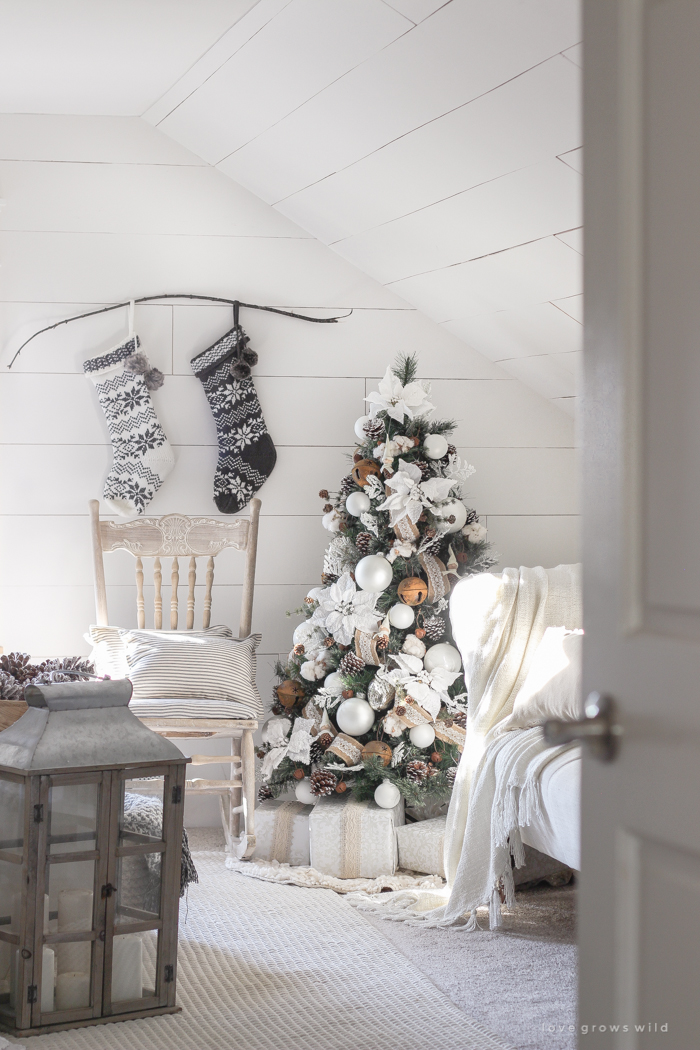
(558, 834)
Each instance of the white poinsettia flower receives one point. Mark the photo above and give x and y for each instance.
(406, 498)
(427, 688)
(399, 401)
(342, 610)
(436, 490)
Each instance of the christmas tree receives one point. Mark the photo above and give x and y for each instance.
(372, 690)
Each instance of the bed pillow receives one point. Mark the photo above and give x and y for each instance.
(552, 688)
(188, 666)
(109, 646)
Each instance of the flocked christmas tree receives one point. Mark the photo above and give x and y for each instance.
(372, 690)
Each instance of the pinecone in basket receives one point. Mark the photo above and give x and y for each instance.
(319, 746)
(265, 793)
(451, 774)
(80, 667)
(419, 771)
(323, 782)
(347, 485)
(9, 688)
(434, 628)
(363, 543)
(351, 664)
(374, 429)
(17, 665)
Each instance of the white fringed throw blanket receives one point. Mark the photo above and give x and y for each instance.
(498, 621)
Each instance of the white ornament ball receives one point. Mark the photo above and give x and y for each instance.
(303, 792)
(357, 503)
(373, 573)
(387, 795)
(355, 717)
(435, 446)
(334, 683)
(359, 428)
(422, 736)
(442, 655)
(401, 616)
(453, 508)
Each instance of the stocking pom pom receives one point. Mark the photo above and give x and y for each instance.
(153, 378)
(240, 370)
(250, 357)
(137, 363)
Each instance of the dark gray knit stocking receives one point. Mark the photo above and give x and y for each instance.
(246, 452)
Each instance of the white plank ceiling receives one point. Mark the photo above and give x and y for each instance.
(436, 146)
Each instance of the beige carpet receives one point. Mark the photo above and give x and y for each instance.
(271, 967)
(513, 982)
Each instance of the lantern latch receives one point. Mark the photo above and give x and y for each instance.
(108, 890)
(169, 973)
(32, 993)
(177, 794)
(38, 813)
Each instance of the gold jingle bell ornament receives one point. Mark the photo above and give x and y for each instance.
(289, 692)
(362, 471)
(377, 748)
(413, 591)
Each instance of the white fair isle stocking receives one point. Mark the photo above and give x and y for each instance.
(142, 456)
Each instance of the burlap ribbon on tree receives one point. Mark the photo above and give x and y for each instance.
(366, 647)
(450, 733)
(411, 713)
(436, 574)
(404, 529)
(346, 748)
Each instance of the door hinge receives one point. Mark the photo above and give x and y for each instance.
(176, 795)
(32, 995)
(38, 813)
(169, 973)
(107, 891)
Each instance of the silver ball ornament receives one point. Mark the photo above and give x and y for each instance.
(422, 736)
(334, 683)
(453, 508)
(303, 792)
(401, 616)
(434, 446)
(442, 655)
(357, 503)
(387, 795)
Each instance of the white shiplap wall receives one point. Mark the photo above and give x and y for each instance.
(99, 209)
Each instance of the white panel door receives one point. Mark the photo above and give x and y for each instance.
(640, 887)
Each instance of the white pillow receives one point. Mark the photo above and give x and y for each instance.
(109, 646)
(552, 688)
(188, 666)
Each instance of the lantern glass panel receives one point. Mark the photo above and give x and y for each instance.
(73, 817)
(71, 905)
(141, 811)
(11, 816)
(138, 889)
(134, 963)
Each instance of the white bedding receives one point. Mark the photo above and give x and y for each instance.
(558, 832)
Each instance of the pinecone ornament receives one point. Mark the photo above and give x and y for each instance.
(363, 543)
(451, 774)
(418, 771)
(319, 746)
(264, 793)
(424, 469)
(374, 429)
(347, 485)
(323, 782)
(460, 719)
(434, 628)
(351, 664)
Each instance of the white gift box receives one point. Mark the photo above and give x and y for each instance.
(421, 846)
(282, 832)
(351, 840)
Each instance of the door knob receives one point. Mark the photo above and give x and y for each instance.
(598, 730)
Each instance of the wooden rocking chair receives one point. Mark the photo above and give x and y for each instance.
(176, 536)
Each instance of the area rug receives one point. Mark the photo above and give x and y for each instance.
(292, 875)
(264, 966)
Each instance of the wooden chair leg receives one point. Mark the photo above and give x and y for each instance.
(236, 799)
(247, 839)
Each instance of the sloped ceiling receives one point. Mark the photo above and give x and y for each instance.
(437, 146)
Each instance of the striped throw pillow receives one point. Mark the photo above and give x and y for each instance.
(109, 646)
(188, 666)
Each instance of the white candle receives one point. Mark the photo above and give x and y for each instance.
(74, 914)
(72, 990)
(48, 979)
(127, 967)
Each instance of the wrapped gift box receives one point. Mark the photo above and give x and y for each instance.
(282, 832)
(351, 840)
(421, 846)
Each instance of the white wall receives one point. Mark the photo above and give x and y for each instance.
(102, 208)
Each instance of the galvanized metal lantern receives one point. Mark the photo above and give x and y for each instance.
(89, 868)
